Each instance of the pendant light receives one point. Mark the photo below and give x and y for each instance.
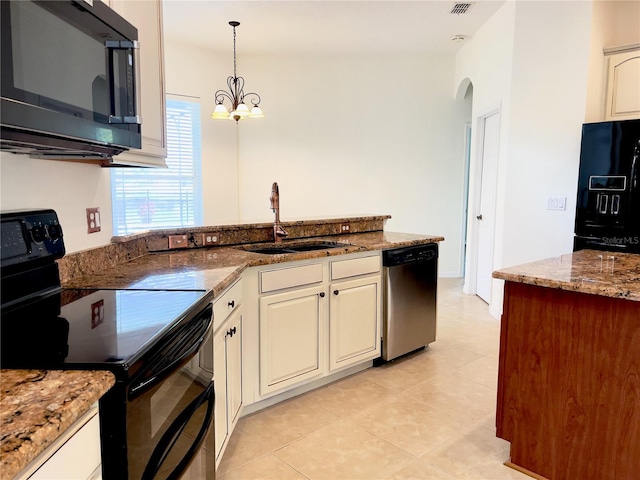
(236, 95)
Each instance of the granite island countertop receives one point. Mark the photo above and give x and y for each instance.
(36, 406)
(608, 274)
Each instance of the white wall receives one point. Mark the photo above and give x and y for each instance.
(68, 188)
(354, 135)
(543, 108)
(549, 88)
(342, 135)
(196, 74)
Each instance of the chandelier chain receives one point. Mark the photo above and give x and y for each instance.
(234, 53)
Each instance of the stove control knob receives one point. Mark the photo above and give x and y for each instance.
(38, 234)
(55, 232)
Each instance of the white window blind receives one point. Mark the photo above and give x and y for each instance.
(154, 198)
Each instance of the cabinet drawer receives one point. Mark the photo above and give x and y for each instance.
(273, 280)
(77, 458)
(226, 303)
(355, 266)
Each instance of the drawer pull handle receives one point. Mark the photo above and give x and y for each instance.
(231, 332)
(232, 303)
(336, 292)
(321, 294)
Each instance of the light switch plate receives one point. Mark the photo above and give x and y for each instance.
(556, 203)
(178, 241)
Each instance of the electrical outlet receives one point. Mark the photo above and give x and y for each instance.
(345, 228)
(97, 313)
(93, 220)
(212, 238)
(178, 241)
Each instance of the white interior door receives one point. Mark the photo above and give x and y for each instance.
(485, 216)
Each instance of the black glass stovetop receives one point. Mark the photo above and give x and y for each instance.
(87, 328)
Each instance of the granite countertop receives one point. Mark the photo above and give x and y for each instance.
(594, 272)
(36, 406)
(216, 268)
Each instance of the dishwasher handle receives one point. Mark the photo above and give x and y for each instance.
(407, 255)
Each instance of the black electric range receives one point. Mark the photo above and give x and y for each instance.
(158, 416)
(92, 329)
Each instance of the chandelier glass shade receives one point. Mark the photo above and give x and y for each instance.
(235, 95)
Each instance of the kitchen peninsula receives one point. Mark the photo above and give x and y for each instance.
(226, 261)
(569, 367)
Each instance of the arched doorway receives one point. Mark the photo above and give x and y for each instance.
(463, 105)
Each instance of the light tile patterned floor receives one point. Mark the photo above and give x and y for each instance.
(428, 416)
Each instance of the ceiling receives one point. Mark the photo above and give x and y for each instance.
(324, 26)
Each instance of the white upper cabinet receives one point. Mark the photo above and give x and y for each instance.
(623, 83)
(146, 16)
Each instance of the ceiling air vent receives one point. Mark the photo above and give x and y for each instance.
(460, 8)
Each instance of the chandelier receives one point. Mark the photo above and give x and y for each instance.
(236, 95)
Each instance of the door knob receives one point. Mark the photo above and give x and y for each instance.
(232, 303)
(479, 217)
(336, 292)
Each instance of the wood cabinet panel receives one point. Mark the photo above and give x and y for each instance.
(569, 383)
(220, 384)
(290, 338)
(623, 86)
(76, 453)
(354, 321)
(147, 17)
(234, 368)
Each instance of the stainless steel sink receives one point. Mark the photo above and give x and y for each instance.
(295, 248)
(270, 250)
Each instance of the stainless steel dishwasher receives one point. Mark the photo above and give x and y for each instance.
(410, 276)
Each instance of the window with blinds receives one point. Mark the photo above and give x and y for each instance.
(144, 199)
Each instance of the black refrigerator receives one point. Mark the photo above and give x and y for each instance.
(608, 203)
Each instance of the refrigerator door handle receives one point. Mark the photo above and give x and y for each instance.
(634, 167)
(603, 200)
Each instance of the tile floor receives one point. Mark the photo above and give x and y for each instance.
(428, 416)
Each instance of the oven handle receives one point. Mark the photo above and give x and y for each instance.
(139, 387)
(168, 440)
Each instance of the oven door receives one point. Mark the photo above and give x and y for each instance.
(170, 408)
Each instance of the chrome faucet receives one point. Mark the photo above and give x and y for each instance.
(278, 231)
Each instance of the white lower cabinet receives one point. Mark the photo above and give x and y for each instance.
(227, 365)
(234, 369)
(354, 321)
(290, 337)
(75, 455)
(220, 384)
(314, 319)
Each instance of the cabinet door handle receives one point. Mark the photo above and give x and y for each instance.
(479, 217)
(231, 332)
(321, 294)
(336, 292)
(232, 303)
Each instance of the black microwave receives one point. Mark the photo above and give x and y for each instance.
(69, 80)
